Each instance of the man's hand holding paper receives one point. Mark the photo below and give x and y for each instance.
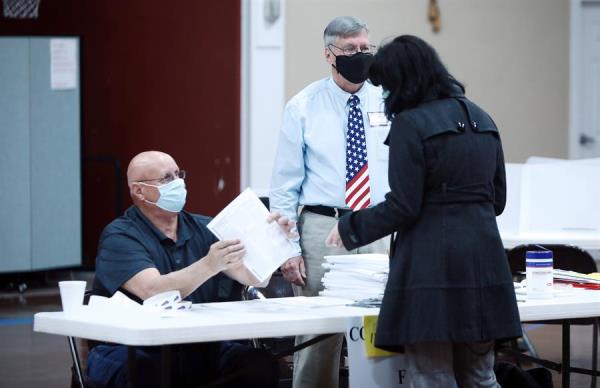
(226, 254)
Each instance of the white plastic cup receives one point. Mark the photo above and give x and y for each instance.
(71, 295)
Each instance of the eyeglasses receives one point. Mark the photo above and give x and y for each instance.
(169, 177)
(348, 51)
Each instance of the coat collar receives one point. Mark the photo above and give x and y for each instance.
(456, 92)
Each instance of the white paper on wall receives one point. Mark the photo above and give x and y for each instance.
(63, 64)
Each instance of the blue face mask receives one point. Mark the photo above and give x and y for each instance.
(385, 94)
(172, 195)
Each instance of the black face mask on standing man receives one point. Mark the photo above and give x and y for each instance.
(355, 68)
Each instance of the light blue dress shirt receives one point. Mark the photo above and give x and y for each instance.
(310, 164)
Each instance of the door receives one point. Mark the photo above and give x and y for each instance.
(588, 109)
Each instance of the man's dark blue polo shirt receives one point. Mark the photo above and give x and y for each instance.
(131, 243)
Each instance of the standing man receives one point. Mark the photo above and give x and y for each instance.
(330, 160)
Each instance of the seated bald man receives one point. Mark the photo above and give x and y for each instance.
(155, 247)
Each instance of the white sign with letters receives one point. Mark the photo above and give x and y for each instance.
(372, 371)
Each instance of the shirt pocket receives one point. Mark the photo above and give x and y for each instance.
(382, 151)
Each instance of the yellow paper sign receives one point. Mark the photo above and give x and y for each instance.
(370, 325)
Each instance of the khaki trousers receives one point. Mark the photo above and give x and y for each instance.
(317, 366)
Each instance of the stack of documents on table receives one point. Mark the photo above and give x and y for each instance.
(119, 302)
(575, 277)
(361, 277)
(163, 304)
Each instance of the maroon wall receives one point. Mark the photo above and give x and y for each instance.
(154, 75)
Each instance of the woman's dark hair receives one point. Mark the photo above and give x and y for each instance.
(412, 72)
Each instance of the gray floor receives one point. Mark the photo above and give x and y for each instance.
(29, 359)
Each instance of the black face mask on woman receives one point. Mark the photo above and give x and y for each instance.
(355, 68)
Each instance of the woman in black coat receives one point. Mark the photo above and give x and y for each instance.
(449, 294)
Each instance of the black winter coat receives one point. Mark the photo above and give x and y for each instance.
(449, 277)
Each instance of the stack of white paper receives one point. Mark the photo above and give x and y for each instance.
(356, 277)
(574, 277)
(267, 245)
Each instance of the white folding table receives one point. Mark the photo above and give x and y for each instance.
(264, 318)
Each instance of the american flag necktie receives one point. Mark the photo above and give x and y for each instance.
(358, 193)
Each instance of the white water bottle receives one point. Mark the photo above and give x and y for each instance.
(539, 266)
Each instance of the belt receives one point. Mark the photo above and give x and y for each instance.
(326, 210)
(475, 192)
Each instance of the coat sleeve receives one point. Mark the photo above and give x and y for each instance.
(499, 182)
(402, 204)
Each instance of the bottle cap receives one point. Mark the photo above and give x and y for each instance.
(538, 255)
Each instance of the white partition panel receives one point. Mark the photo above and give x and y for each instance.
(557, 202)
(510, 219)
(561, 197)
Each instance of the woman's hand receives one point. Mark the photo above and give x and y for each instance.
(334, 239)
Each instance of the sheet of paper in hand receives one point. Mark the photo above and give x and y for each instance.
(267, 245)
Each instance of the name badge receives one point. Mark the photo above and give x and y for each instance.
(378, 119)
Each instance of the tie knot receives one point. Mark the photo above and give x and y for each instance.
(353, 101)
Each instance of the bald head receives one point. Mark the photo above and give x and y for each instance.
(146, 174)
(149, 165)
